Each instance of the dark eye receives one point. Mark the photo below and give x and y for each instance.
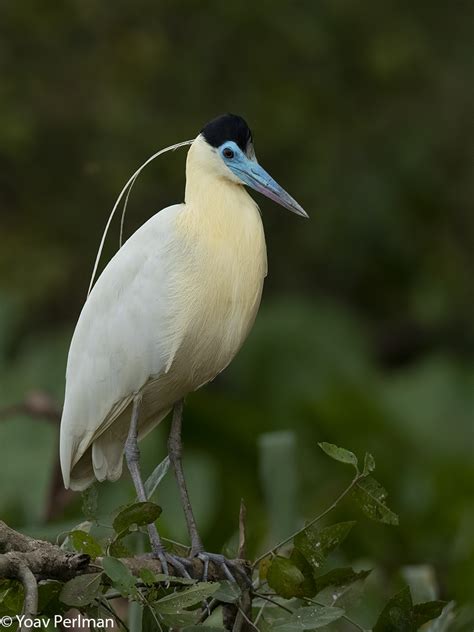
(228, 153)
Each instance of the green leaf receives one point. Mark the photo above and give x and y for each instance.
(180, 619)
(117, 548)
(370, 496)
(122, 578)
(179, 600)
(424, 612)
(308, 587)
(90, 502)
(81, 590)
(149, 620)
(156, 477)
(284, 577)
(139, 514)
(228, 592)
(48, 597)
(11, 597)
(147, 576)
(369, 464)
(397, 616)
(85, 543)
(264, 625)
(316, 544)
(339, 454)
(341, 587)
(339, 577)
(309, 618)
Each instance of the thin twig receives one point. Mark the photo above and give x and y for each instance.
(355, 480)
(260, 612)
(115, 594)
(105, 604)
(211, 606)
(238, 622)
(275, 603)
(248, 620)
(153, 614)
(185, 547)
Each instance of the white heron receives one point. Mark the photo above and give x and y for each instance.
(168, 313)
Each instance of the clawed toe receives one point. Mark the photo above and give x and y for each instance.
(230, 569)
(178, 563)
(218, 560)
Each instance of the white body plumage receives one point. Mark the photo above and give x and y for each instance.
(168, 313)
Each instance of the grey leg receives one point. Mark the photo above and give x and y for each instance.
(175, 447)
(132, 456)
(197, 550)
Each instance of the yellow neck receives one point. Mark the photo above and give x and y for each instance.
(221, 233)
(220, 204)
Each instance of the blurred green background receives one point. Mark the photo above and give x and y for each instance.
(365, 337)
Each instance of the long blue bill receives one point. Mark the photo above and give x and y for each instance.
(255, 176)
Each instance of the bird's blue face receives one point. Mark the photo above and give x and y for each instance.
(253, 175)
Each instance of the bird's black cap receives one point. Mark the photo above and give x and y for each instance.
(227, 127)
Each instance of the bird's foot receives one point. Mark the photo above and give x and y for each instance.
(178, 563)
(231, 569)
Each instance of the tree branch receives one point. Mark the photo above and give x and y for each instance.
(43, 559)
(30, 605)
(48, 561)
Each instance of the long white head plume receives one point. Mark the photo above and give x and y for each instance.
(126, 190)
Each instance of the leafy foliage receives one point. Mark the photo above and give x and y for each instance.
(340, 454)
(139, 514)
(284, 577)
(309, 618)
(90, 503)
(339, 578)
(371, 497)
(400, 615)
(155, 478)
(368, 492)
(85, 543)
(228, 592)
(315, 544)
(128, 519)
(81, 590)
(424, 612)
(307, 591)
(11, 597)
(177, 602)
(121, 578)
(302, 575)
